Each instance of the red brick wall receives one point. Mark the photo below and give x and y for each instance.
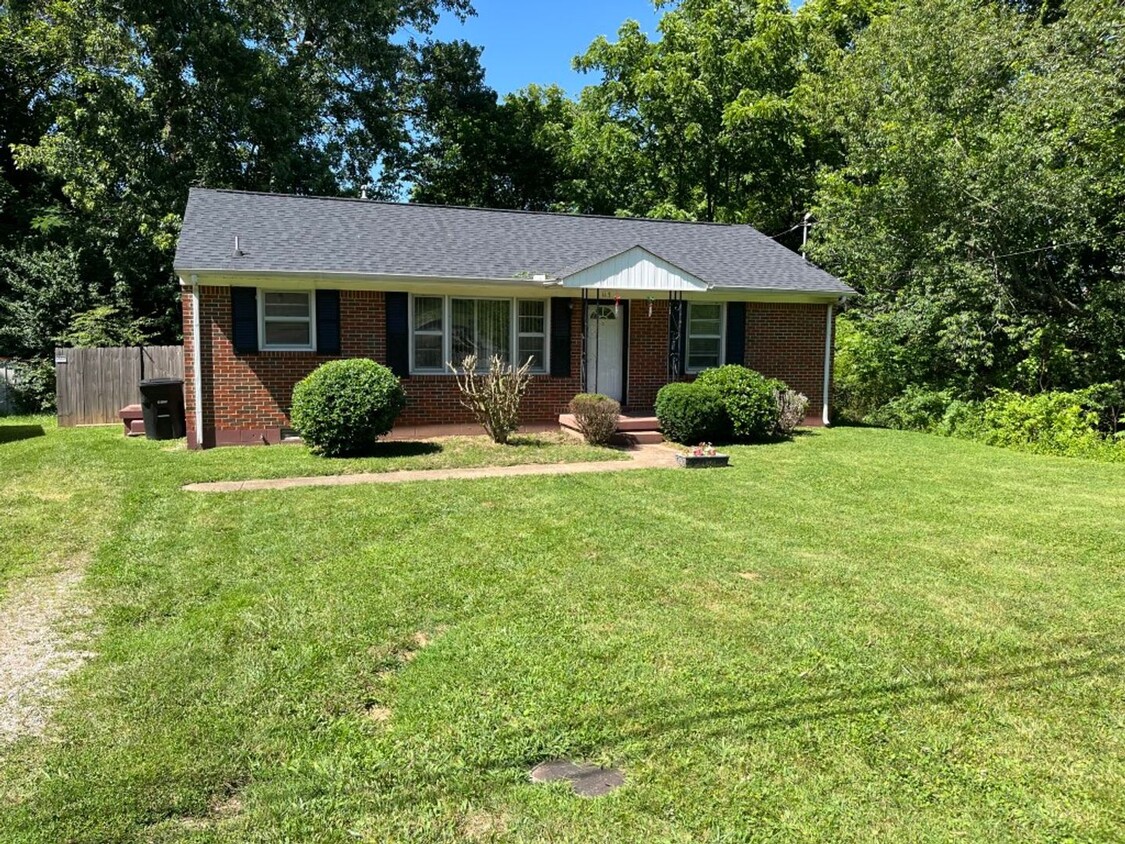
(648, 352)
(787, 342)
(246, 397)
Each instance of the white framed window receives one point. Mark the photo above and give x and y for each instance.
(704, 335)
(287, 320)
(449, 328)
(531, 333)
(427, 335)
(481, 327)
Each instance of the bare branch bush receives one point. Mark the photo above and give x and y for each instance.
(494, 396)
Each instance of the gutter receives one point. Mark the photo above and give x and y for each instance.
(827, 366)
(196, 360)
(335, 276)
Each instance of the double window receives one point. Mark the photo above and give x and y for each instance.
(449, 329)
(704, 335)
(287, 320)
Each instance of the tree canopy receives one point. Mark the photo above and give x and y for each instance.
(963, 160)
(979, 202)
(112, 110)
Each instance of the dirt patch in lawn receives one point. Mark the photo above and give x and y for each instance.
(36, 649)
(483, 826)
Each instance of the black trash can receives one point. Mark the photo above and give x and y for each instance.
(162, 403)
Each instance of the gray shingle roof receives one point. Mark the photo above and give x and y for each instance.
(282, 233)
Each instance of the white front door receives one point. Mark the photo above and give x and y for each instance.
(605, 350)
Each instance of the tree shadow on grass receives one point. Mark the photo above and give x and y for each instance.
(726, 716)
(404, 448)
(15, 433)
(1095, 658)
(531, 441)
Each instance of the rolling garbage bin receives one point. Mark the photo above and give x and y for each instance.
(162, 404)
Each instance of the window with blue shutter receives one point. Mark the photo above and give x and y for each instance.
(398, 333)
(560, 336)
(736, 333)
(328, 322)
(244, 320)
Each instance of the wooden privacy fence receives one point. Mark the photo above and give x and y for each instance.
(93, 384)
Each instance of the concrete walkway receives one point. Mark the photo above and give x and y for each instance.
(640, 457)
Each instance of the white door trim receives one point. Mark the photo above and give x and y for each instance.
(605, 351)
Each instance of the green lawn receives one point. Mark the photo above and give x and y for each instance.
(859, 635)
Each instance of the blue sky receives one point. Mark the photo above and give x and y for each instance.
(529, 41)
(534, 40)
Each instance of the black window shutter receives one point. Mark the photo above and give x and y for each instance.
(560, 336)
(736, 333)
(244, 319)
(398, 334)
(328, 322)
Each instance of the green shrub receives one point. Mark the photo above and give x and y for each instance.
(1047, 423)
(1108, 401)
(32, 390)
(917, 409)
(1077, 424)
(692, 413)
(596, 416)
(344, 406)
(748, 399)
(964, 419)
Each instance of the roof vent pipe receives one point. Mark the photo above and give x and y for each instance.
(237, 249)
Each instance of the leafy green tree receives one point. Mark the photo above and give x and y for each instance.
(46, 287)
(699, 124)
(103, 326)
(980, 202)
(119, 106)
(471, 149)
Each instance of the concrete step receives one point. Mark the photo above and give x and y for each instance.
(639, 437)
(631, 430)
(638, 423)
(136, 428)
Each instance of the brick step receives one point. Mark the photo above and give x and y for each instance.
(638, 423)
(631, 430)
(132, 417)
(638, 437)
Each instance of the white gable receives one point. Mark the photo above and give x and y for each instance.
(634, 269)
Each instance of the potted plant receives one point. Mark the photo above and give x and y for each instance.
(702, 456)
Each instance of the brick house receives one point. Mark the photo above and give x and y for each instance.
(275, 285)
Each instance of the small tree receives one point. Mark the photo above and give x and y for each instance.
(493, 397)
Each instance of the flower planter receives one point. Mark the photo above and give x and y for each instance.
(702, 461)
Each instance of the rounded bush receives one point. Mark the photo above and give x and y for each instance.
(344, 406)
(596, 416)
(748, 399)
(691, 413)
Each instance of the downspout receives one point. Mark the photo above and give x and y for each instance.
(827, 365)
(196, 360)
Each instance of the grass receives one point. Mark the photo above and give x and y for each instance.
(287, 461)
(57, 509)
(859, 635)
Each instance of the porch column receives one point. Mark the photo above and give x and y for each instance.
(676, 349)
